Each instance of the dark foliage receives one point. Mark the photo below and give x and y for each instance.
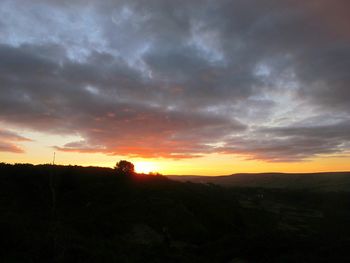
(100, 217)
(125, 168)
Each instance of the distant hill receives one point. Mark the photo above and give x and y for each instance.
(325, 182)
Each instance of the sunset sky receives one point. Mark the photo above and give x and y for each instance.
(178, 87)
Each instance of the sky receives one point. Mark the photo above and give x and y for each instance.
(178, 87)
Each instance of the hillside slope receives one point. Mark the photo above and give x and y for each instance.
(90, 214)
(328, 182)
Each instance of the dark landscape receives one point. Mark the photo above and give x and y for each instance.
(52, 213)
(316, 182)
(161, 131)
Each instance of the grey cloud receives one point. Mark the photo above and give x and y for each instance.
(197, 73)
(12, 136)
(60, 100)
(289, 144)
(277, 149)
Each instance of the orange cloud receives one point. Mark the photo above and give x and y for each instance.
(8, 140)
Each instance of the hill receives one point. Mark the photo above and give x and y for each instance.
(325, 182)
(90, 214)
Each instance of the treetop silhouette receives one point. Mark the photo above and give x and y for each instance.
(124, 167)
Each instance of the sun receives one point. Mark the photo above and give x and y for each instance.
(145, 167)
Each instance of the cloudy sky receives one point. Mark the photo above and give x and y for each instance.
(190, 86)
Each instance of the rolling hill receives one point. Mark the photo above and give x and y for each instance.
(325, 182)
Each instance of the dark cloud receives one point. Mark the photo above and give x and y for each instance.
(176, 79)
(76, 98)
(292, 143)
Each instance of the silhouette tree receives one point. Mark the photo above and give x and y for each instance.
(124, 167)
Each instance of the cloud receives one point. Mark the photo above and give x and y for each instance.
(152, 133)
(109, 123)
(266, 79)
(9, 140)
(290, 144)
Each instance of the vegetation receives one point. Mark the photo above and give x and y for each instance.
(116, 215)
(125, 168)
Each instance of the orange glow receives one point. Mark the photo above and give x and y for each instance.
(38, 151)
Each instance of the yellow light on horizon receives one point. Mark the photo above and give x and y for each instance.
(145, 167)
(40, 151)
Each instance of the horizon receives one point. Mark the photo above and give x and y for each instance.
(189, 175)
(210, 88)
